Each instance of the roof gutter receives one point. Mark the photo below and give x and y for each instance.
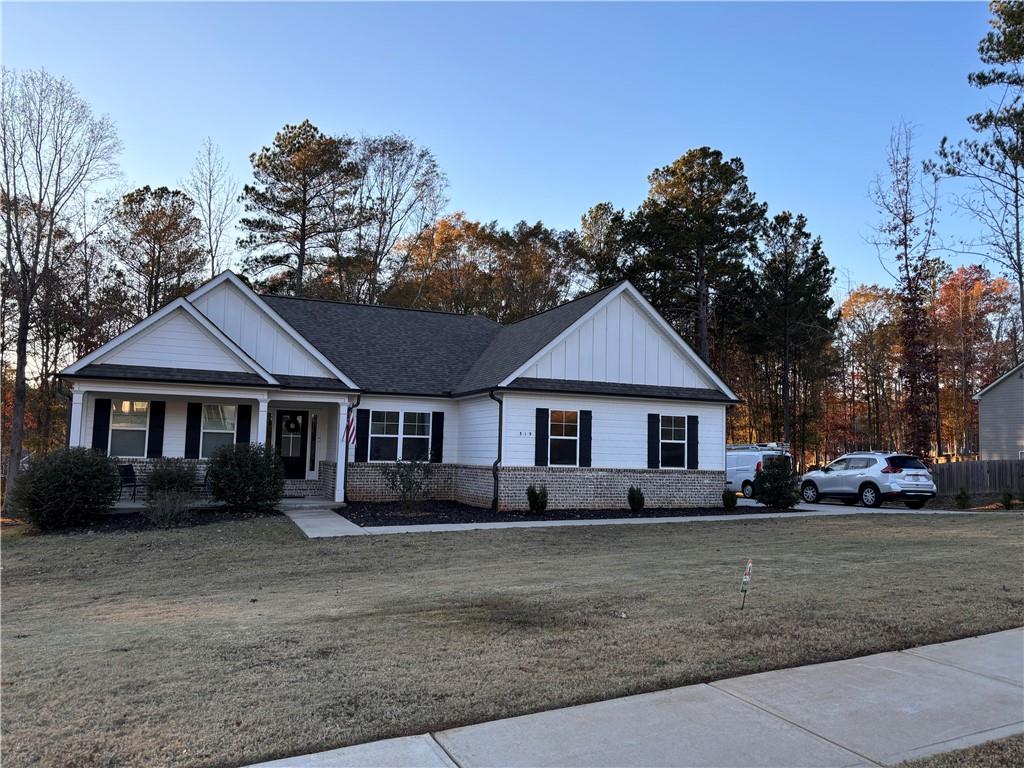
(497, 461)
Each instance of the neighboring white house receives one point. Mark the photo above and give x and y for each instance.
(587, 398)
(1001, 417)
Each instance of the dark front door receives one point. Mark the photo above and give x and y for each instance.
(290, 442)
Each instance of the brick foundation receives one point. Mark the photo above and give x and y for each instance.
(142, 467)
(568, 487)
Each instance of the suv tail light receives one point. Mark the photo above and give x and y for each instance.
(889, 469)
(757, 469)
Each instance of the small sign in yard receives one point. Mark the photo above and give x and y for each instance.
(745, 582)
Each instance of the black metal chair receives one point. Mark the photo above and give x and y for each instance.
(128, 480)
(200, 483)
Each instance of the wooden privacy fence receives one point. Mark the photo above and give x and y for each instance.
(979, 476)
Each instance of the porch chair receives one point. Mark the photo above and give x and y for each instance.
(128, 480)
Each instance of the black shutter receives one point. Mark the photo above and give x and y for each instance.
(586, 417)
(101, 425)
(540, 446)
(692, 442)
(155, 448)
(243, 424)
(436, 437)
(653, 441)
(193, 430)
(362, 434)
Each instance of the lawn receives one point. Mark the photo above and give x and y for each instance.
(235, 642)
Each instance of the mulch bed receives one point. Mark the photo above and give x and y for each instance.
(133, 522)
(367, 514)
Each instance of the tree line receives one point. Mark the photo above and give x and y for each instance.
(367, 220)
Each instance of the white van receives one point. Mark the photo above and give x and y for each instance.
(743, 462)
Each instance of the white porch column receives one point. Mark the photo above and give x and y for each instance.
(261, 420)
(339, 475)
(75, 428)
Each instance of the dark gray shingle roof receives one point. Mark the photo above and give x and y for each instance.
(177, 375)
(621, 390)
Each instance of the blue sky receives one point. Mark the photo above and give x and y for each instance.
(535, 111)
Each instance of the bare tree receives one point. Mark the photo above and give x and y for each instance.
(215, 192)
(52, 147)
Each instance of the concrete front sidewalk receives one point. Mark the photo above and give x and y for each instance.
(875, 710)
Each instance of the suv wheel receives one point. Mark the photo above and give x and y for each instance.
(809, 492)
(870, 496)
(748, 489)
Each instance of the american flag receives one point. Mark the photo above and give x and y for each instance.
(350, 428)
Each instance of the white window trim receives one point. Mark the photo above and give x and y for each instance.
(551, 437)
(401, 434)
(203, 430)
(110, 430)
(662, 441)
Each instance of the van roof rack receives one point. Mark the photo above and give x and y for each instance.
(758, 447)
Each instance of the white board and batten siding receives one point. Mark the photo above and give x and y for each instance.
(450, 408)
(619, 343)
(619, 428)
(246, 323)
(176, 341)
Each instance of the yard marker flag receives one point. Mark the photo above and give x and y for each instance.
(350, 428)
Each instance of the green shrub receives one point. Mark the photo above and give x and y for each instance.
(170, 475)
(1007, 500)
(247, 478)
(636, 498)
(75, 486)
(963, 499)
(168, 509)
(728, 500)
(537, 498)
(408, 479)
(775, 486)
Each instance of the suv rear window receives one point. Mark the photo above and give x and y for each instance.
(905, 462)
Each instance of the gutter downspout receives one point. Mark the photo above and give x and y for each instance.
(497, 462)
(348, 413)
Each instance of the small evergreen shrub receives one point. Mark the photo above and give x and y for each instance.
(635, 497)
(168, 509)
(248, 478)
(775, 486)
(963, 499)
(728, 500)
(75, 486)
(1007, 500)
(537, 498)
(170, 475)
(408, 479)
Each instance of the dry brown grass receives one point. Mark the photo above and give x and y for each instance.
(238, 642)
(1002, 753)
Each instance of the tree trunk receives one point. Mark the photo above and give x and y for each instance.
(702, 319)
(20, 395)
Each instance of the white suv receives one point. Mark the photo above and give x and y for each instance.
(870, 477)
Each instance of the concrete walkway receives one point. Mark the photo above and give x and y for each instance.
(319, 519)
(875, 710)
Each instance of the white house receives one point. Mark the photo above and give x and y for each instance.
(1001, 416)
(587, 398)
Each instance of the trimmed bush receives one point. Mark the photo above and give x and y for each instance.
(408, 479)
(775, 486)
(168, 509)
(75, 486)
(170, 475)
(537, 498)
(728, 500)
(963, 499)
(635, 497)
(249, 479)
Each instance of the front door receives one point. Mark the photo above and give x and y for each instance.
(290, 442)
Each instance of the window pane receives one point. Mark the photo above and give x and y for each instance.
(563, 424)
(384, 423)
(673, 427)
(563, 452)
(129, 413)
(127, 442)
(383, 448)
(416, 424)
(414, 448)
(673, 454)
(219, 417)
(214, 440)
(838, 466)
